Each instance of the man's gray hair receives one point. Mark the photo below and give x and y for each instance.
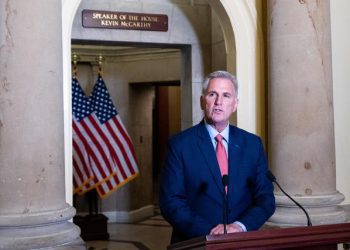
(220, 74)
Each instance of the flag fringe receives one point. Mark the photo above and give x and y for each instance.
(103, 196)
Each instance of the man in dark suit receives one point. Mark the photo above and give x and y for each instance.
(194, 197)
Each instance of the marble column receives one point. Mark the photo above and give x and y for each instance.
(301, 131)
(33, 211)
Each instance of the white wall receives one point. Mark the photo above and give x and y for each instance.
(340, 20)
(68, 12)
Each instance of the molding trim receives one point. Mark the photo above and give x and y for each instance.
(122, 54)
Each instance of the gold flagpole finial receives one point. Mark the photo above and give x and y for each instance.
(75, 59)
(100, 59)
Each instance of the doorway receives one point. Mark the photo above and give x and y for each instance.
(166, 121)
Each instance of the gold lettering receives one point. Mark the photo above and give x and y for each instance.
(109, 16)
(109, 23)
(135, 24)
(96, 15)
(124, 24)
(133, 18)
(149, 19)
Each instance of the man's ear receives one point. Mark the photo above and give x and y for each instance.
(236, 105)
(202, 102)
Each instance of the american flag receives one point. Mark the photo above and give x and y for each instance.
(116, 137)
(92, 161)
(97, 161)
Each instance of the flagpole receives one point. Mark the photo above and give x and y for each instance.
(75, 62)
(100, 59)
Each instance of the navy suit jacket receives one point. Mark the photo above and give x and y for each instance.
(191, 190)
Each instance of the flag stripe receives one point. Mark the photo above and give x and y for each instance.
(78, 178)
(98, 169)
(81, 173)
(121, 136)
(111, 149)
(82, 159)
(119, 152)
(121, 148)
(117, 121)
(91, 132)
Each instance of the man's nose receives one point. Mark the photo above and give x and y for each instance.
(218, 99)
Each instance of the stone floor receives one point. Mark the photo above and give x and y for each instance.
(150, 234)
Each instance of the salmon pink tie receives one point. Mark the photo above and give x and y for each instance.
(221, 155)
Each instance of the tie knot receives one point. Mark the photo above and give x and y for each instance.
(218, 138)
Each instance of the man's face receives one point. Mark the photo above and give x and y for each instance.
(219, 102)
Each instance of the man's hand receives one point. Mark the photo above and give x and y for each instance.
(230, 228)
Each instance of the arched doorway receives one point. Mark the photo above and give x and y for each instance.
(237, 18)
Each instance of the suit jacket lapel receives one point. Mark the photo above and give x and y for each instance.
(234, 157)
(206, 147)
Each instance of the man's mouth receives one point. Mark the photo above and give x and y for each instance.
(217, 110)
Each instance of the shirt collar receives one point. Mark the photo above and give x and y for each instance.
(213, 132)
